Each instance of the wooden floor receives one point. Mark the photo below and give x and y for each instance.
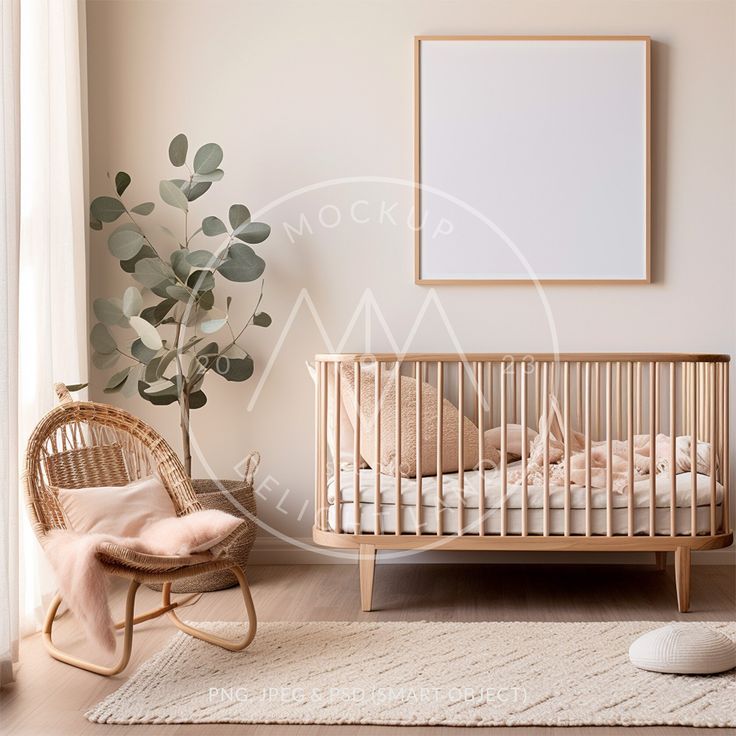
(51, 698)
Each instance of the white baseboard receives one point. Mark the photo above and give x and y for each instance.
(270, 550)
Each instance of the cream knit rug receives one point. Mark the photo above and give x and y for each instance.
(459, 674)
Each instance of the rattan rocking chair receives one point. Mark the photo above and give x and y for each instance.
(81, 444)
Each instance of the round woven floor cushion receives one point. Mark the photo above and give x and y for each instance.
(238, 494)
(683, 648)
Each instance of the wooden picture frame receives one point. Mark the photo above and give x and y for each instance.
(627, 251)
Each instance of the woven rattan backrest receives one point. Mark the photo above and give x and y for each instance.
(101, 465)
(83, 444)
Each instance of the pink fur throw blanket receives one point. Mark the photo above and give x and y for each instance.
(82, 578)
(642, 452)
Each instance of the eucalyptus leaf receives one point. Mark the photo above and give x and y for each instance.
(262, 319)
(178, 150)
(140, 352)
(202, 259)
(101, 339)
(204, 359)
(242, 264)
(197, 190)
(155, 314)
(234, 369)
(75, 386)
(215, 175)
(108, 311)
(197, 400)
(228, 302)
(175, 291)
(102, 361)
(201, 281)
(132, 302)
(145, 252)
(144, 208)
(206, 300)
(215, 320)
(117, 380)
(213, 226)
(106, 209)
(253, 232)
(125, 243)
(130, 387)
(180, 264)
(95, 224)
(238, 215)
(146, 332)
(207, 158)
(152, 271)
(171, 194)
(161, 398)
(122, 180)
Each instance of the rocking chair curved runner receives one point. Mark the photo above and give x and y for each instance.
(81, 444)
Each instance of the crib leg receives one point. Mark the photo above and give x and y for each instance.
(367, 566)
(660, 560)
(682, 578)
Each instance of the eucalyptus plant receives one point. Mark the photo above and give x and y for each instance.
(171, 329)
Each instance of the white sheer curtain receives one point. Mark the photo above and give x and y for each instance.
(48, 333)
(9, 231)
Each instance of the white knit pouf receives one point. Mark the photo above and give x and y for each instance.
(683, 648)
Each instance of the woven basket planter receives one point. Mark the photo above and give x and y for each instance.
(230, 496)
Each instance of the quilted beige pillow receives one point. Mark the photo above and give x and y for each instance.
(388, 457)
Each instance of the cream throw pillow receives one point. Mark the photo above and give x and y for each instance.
(123, 511)
(408, 461)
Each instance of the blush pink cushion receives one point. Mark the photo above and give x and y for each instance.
(123, 511)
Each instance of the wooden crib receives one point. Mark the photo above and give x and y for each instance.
(608, 404)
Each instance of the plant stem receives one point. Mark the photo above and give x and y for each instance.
(183, 407)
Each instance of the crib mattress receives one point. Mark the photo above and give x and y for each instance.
(535, 513)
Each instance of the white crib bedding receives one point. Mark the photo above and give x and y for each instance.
(535, 512)
(535, 520)
(450, 495)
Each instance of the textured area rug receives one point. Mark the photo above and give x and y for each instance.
(459, 674)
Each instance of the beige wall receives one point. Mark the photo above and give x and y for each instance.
(301, 93)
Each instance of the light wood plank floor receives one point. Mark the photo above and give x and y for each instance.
(50, 698)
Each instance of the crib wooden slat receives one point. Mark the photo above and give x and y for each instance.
(513, 392)
(588, 443)
(356, 452)
(609, 451)
(524, 453)
(545, 401)
(537, 393)
(504, 480)
(440, 436)
(693, 450)
(619, 400)
(461, 449)
(337, 398)
(630, 449)
(378, 398)
(481, 453)
(566, 420)
(579, 394)
(652, 447)
(673, 444)
(639, 398)
(397, 429)
(419, 443)
(726, 447)
(597, 399)
(317, 447)
(488, 403)
(323, 507)
(713, 446)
